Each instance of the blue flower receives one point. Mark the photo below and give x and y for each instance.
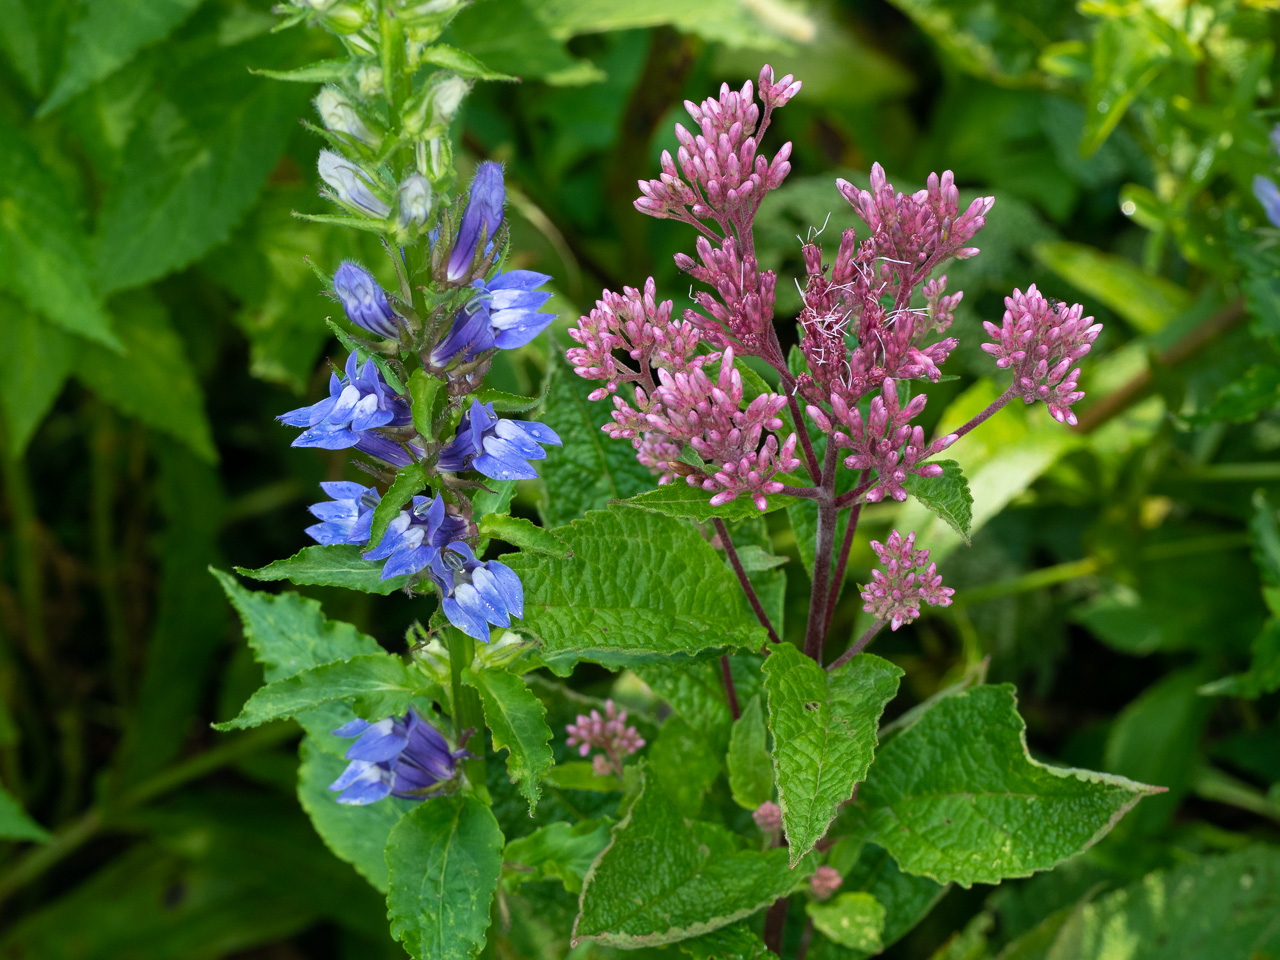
(480, 220)
(350, 184)
(1268, 195)
(399, 757)
(500, 449)
(415, 537)
(347, 517)
(358, 404)
(503, 315)
(364, 301)
(476, 594)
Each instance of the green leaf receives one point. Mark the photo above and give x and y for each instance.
(1127, 55)
(322, 71)
(445, 857)
(1147, 301)
(694, 691)
(682, 765)
(14, 822)
(678, 499)
(351, 346)
(409, 481)
(824, 735)
(504, 402)
(28, 391)
(756, 559)
(357, 835)
(289, 634)
(559, 851)
(736, 942)
(380, 683)
(461, 62)
(853, 920)
(107, 35)
(957, 797)
(529, 53)
(423, 391)
(589, 469)
(639, 585)
(1241, 401)
(664, 878)
(518, 722)
(193, 166)
(581, 775)
(947, 496)
(750, 769)
(154, 381)
(524, 534)
(44, 260)
(1263, 675)
(339, 565)
(1221, 906)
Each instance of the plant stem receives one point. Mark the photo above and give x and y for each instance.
(467, 711)
(986, 414)
(22, 517)
(103, 444)
(815, 631)
(855, 495)
(729, 690)
(842, 561)
(775, 922)
(805, 939)
(858, 647)
(743, 580)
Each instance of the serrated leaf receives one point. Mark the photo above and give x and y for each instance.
(750, 768)
(504, 402)
(757, 560)
(1221, 906)
(288, 632)
(947, 496)
(423, 391)
(694, 691)
(107, 35)
(409, 481)
(444, 859)
(517, 720)
(664, 878)
(853, 920)
(956, 796)
(461, 62)
(44, 260)
(559, 851)
(28, 391)
(380, 683)
(14, 822)
(639, 585)
(682, 764)
(678, 499)
(524, 534)
(357, 835)
(824, 735)
(339, 565)
(736, 942)
(193, 167)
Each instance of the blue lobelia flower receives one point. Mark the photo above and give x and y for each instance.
(415, 537)
(357, 405)
(365, 302)
(1268, 194)
(350, 184)
(480, 220)
(347, 517)
(503, 314)
(500, 449)
(399, 757)
(476, 594)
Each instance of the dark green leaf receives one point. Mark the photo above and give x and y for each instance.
(518, 722)
(678, 499)
(682, 765)
(461, 62)
(750, 769)
(409, 480)
(29, 390)
(445, 856)
(14, 822)
(947, 496)
(524, 534)
(736, 942)
(580, 775)
(340, 565)
(560, 851)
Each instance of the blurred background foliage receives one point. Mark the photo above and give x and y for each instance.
(158, 311)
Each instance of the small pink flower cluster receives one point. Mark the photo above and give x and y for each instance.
(895, 594)
(1039, 342)
(824, 882)
(884, 441)
(768, 816)
(609, 733)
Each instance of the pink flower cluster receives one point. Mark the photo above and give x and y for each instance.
(896, 593)
(768, 816)
(824, 882)
(609, 733)
(1039, 342)
(884, 440)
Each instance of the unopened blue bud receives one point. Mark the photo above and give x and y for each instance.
(365, 302)
(480, 220)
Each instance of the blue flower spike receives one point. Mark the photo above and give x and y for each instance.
(480, 220)
(414, 538)
(500, 449)
(364, 301)
(502, 315)
(476, 593)
(399, 757)
(347, 516)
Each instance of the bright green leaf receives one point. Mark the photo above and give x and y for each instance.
(581, 775)
(1147, 301)
(461, 62)
(444, 857)
(853, 920)
(750, 769)
(322, 71)
(518, 722)
(28, 391)
(423, 391)
(524, 534)
(1127, 55)
(736, 942)
(947, 496)
(409, 481)
(504, 402)
(824, 735)
(339, 565)
(559, 851)
(681, 500)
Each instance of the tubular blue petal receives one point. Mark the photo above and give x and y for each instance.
(469, 622)
(509, 585)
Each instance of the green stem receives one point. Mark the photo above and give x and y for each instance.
(102, 495)
(467, 711)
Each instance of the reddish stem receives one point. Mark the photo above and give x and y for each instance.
(842, 561)
(858, 647)
(729, 690)
(743, 580)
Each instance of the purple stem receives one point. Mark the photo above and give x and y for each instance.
(843, 560)
(858, 647)
(815, 632)
(986, 414)
(743, 580)
(854, 495)
(729, 690)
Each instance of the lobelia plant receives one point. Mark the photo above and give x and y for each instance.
(769, 783)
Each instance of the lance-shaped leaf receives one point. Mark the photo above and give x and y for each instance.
(824, 735)
(380, 683)
(694, 503)
(750, 770)
(853, 920)
(409, 481)
(524, 534)
(444, 858)
(14, 822)
(518, 722)
(664, 878)
(956, 797)
(424, 393)
(947, 496)
(338, 565)
(639, 586)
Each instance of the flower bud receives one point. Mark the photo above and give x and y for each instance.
(433, 109)
(768, 816)
(480, 220)
(365, 302)
(415, 200)
(369, 80)
(350, 184)
(824, 882)
(430, 13)
(338, 115)
(345, 18)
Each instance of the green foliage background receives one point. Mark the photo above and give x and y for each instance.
(157, 312)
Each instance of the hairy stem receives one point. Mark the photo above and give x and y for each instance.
(743, 580)
(730, 692)
(815, 631)
(858, 647)
(842, 560)
(855, 495)
(986, 414)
